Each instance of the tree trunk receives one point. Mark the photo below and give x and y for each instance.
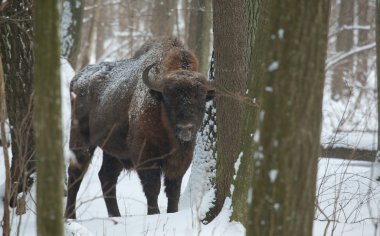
(16, 53)
(243, 180)
(89, 44)
(285, 161)
(362, 59)
(163, 17)
(71, 24)
(230, 20)
(378, 75)
(47, 119)
(344, 42)
(7, 190)
(199, 31)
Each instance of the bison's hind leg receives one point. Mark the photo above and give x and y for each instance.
(151, 181)
(108, 174)
(76, 172)
(173, 191)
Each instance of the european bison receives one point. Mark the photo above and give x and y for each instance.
(144, 114)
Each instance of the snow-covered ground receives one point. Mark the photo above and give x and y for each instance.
(348, 204)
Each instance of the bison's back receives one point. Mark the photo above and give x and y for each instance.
(111, 96)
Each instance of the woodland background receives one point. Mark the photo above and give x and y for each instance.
(328, 48)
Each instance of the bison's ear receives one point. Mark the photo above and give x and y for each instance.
(210, 95)
(155, 94)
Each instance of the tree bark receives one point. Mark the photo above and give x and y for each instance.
(3, 111)
(231, 57)
(362, 58)
(16, 52)
(89, 44)
(243, 180)
(344, 42)
(163, 17)
(285, 160)
(199, 29)
(378, 74)
(71, 25)
(47, 119)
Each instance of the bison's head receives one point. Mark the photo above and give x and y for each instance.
(184, 94)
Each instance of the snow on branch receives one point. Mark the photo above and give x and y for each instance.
(350, 27)
(330, 62)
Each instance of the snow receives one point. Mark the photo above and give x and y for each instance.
(344, 191)
(273, 175)
(351, 122)
(281, 33)
(67, 73)
(273, 66)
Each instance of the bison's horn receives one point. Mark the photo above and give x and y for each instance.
(151, 84)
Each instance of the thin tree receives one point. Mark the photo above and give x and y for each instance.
(7, 194)
(162, 17)
(378, 73)
(17, 58)
(71, 24)
(199, 31)
(285, 160)
(47, 119)
(243, 179)
(344, 42)
(230, 24)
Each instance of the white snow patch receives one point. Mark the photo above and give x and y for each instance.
(273, 66)
(273, 175)
(269, 89)
(281, 33)
(256, 137)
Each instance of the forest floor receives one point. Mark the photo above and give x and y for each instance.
(348, 203)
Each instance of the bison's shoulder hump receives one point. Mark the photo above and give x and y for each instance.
(91, 73)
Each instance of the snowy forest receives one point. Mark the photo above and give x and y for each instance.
(189, 117)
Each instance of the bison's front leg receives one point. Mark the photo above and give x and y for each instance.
(173, 191)
(108, 174)
(151, 182)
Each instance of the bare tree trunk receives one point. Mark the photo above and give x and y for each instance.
(16, 53)
(89, 44)
(378, 74)
(287, 140)
(71, 25)
(47, 119)
(232, 59)
(362, 59)
(7, 195)
(243, 180)
(163, 17)
(199, 29)
(344, 43)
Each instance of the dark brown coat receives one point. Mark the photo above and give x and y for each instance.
(144, 114)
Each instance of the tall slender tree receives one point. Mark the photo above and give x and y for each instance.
(378, 74)
(199, 28)
(344, 43)
(285, 160)
(71, 24)
(47, 119)
(163, 17)
(231, 40)
(17, 58)
(243, 179)
(3, 111)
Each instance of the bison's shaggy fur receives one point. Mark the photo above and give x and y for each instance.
(143, 113)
